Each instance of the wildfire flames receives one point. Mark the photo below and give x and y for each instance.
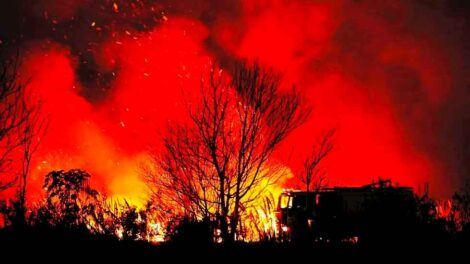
(114, 74)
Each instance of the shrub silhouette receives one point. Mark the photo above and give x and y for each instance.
(189, 231)
(70, 201)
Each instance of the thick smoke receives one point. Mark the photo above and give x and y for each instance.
(391, 76)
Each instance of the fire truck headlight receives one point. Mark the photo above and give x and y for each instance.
(310, 222)
(285, 229)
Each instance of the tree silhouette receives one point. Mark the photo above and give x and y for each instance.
(218, 164)
(70, 200)
(312, 177)
(30, 136)
(14, 113)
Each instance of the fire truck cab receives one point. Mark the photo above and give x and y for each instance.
(343, 213)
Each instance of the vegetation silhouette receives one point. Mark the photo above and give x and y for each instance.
(74, 217)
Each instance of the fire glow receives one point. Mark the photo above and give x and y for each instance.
(111, 89)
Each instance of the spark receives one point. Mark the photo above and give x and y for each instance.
(164, 17)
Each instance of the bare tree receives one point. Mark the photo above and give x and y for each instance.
(313, 177)
(30, 133)
(21, 126)
(14, 112)
(218, 164)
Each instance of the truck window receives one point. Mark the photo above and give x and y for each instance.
(285, 201)
(302, 201)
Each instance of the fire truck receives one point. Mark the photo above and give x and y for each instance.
(345, 213)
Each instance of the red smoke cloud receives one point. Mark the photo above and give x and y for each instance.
(110, 139)
(299, 39)
(363, 69)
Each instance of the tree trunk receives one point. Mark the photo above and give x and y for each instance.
(224, 211)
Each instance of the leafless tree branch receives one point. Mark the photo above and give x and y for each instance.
(219, 163)
(313, 177)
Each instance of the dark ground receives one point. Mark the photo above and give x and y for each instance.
(48, 245)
